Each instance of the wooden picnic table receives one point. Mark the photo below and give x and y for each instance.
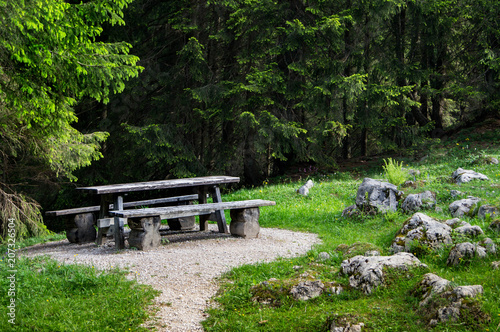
(202, 186)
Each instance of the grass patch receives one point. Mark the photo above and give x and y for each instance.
(51, 296)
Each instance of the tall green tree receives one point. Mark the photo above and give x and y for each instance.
(51, 57)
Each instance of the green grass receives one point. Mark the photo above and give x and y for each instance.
(51, 296)
(391, 308)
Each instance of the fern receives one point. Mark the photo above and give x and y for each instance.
(394, 172)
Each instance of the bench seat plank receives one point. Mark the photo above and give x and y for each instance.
(95, 208)
(190, 210)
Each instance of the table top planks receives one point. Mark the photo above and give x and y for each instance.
(161, 184)
(190, 210)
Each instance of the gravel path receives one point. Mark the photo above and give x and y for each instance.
(186, 268)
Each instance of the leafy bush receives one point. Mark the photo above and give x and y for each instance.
(394, 172)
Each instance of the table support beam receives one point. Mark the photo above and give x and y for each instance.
(219, 214)
(118, 233)
(103, 213)
(202, 199)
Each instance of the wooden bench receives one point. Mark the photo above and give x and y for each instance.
(145, 223)
(80, 228)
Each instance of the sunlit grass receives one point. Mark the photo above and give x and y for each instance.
(51, 296)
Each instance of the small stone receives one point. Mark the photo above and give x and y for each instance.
(304, 190)
(336, 290)
(492, 160)
(372, 253)
(323, 256)
(456, 222)
(495, 265)
(448, 314)
(350, 211)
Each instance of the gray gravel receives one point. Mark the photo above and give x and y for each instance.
(186, 268)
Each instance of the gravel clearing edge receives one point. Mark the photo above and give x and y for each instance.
(186, 268)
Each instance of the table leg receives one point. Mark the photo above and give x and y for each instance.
(103, 213)
(118, 224)
(202, 199)
(219, 214)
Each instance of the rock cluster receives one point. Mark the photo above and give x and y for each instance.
(466, 251)
(442, 302)
(423, 230)
(439, 299)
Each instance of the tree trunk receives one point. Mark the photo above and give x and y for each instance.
(346, 142)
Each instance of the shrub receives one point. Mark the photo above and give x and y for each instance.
(394, 172)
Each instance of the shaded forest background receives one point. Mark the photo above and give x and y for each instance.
(250, 87)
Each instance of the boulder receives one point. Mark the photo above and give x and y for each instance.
(374, 195)
(307, 290)
(367, 273)
(443, 302)
(490, 210)
(463, 206)
(495, 265)
(462, 176)
(245, 222)
(465, 252)
(468, 230)
(80, 228)
(416, 202)
(304, 190)
(424, 230)
(144, 233)
(461, 252)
